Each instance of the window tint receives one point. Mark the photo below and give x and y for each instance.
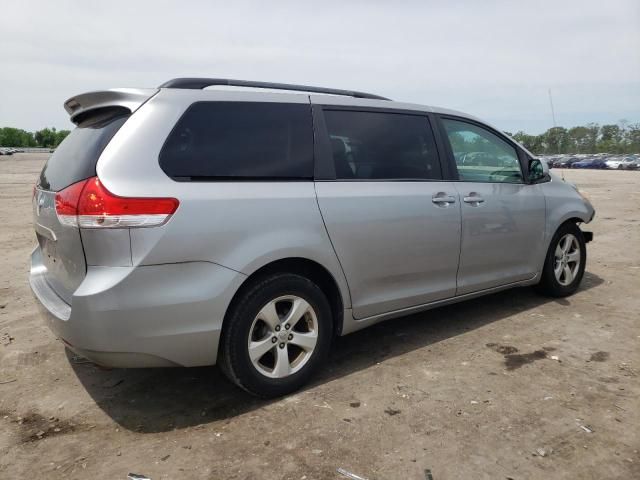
(218, 140)
(76, 157)
(372, 145)
(482, 156)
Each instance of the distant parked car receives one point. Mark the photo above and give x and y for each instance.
(614, 162)
(565, 162)
(629, 163)
(590, 163)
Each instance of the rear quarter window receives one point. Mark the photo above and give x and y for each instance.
(76, 157)
(240, 140)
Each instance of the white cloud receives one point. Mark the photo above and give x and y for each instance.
(495, 60)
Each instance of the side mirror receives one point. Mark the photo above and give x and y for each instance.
(538, 170)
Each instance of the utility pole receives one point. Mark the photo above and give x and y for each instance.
(553, 113)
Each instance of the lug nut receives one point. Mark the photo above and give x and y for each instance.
(274, 340)
(277, 328)
(282, 345)
(287, 326)
(290, 336)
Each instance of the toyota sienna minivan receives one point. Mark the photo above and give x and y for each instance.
(248, 227)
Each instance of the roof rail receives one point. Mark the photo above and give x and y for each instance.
(200, 83)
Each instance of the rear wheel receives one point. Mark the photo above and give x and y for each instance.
(276, 335)
(565, 262)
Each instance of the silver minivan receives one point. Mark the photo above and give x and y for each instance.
(188, 225)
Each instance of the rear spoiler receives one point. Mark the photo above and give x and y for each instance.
(129, 98)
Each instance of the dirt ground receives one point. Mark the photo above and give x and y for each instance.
(508, 386)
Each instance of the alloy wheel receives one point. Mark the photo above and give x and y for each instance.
(567, 259)
(283, 336)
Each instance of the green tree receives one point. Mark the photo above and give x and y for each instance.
(60, 136)
(556, 140)
(611, 137)
(593, 131)
(578, 140)
(15, 137)
(632, 138)
(46, 137)
(533, 143)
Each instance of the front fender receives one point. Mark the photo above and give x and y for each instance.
(563, 203)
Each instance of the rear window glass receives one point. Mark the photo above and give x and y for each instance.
(76, 157)
(382, 146)
(240, 140)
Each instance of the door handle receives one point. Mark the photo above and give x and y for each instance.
(442, 199)
(473, 199)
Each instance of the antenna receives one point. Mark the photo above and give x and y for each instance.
(553, 113)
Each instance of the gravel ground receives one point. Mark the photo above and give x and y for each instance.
(508, 386)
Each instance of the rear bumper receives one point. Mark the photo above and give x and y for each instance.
(145, 316)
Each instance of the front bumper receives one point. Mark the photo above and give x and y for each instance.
(145, 316)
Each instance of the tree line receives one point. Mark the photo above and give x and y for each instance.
(16, 137)
(591, 138)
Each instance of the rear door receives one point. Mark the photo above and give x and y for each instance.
(74, 160)
(503, 217)
(393, 221)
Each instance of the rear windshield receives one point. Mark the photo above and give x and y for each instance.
(241, 141)
(76, 157)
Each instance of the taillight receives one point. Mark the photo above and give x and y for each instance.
(67, 203)
(88, 204)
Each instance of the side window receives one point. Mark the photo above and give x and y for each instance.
(374, 146)
(236, 140)
(482, 156)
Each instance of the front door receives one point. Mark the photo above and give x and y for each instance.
(503, 218)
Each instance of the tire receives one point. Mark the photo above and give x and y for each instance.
(567, 241)
(258, 318)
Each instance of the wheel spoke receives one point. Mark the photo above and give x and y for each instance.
(568, 275)
(558, 270)
(298, 308)
(259, 348)
(566, 243)
(306, 341)
(574, 257)
(269, 315)
(282, 366)
(574, 246)
(559, 251)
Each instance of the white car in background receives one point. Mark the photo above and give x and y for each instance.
(614, 162)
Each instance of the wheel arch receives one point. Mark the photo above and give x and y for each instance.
(572, 219)
(575, 218)
(305, 267)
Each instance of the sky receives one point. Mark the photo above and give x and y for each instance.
(496, 60)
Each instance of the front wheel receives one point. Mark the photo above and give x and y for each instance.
(565, 262)
(276, 335)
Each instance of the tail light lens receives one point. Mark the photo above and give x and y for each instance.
(88, 204)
